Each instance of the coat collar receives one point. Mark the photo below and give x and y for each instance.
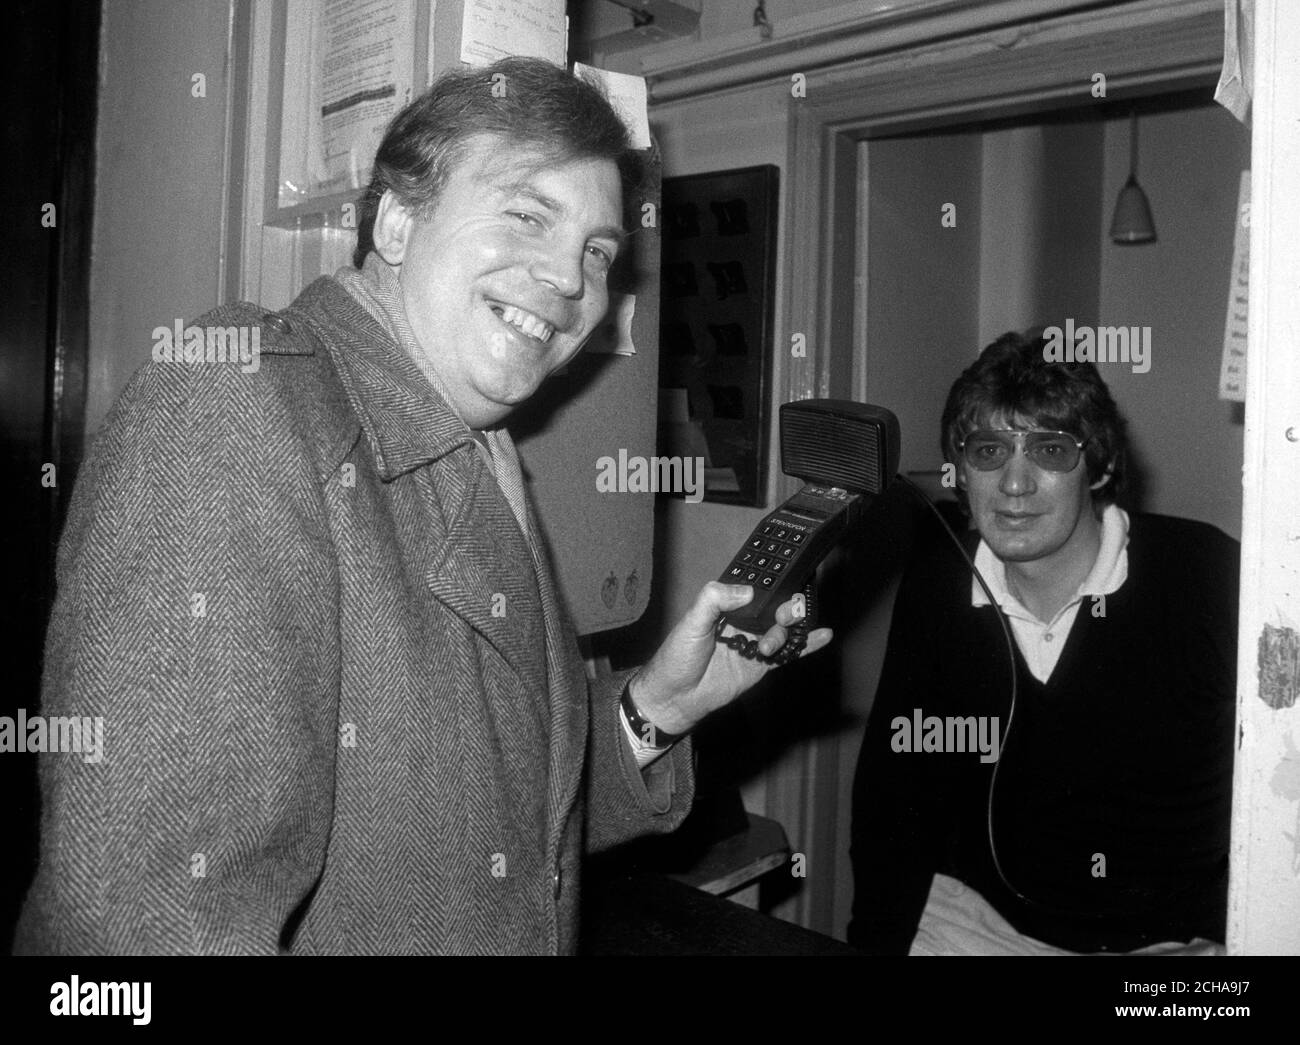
(478, 551)
(408, 423)
(481, 552)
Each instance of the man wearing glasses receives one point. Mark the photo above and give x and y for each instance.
(1102, 825)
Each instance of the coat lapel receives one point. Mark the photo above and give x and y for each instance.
(481, 568)
(481, 553)
(567, 684)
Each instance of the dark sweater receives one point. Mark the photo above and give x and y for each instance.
(1125, 753)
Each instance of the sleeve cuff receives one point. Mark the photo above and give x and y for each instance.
(643, 752)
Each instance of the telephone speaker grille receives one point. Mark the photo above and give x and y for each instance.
(839, 443)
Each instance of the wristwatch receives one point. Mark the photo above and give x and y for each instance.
(642, 727)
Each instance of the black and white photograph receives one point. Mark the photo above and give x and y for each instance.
(654, 479)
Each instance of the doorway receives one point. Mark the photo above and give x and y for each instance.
(980, 83)
(966, 232)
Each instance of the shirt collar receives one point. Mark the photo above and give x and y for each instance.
(1108, 573)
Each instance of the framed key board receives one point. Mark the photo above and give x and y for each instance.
(717, 291)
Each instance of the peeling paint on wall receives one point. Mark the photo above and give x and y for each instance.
(1279, 667)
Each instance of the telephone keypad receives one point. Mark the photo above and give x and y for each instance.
(768, 552)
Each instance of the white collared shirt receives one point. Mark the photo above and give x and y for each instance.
(1041, 643)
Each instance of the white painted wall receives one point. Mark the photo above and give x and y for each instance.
(1189, 441)
(922, 281)
(158, 188)
(1040, 206)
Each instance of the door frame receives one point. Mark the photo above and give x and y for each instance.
(1142, 49)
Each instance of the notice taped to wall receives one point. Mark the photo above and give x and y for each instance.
(365, 78)
(1232, 374)
(495, 29)
(348, 70)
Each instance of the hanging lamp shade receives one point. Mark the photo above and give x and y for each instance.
(1132, 222)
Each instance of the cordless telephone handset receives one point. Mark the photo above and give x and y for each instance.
(846, 453)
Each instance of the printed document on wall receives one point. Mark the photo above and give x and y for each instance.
(495, 29)
(363, 68)
(1232, 374)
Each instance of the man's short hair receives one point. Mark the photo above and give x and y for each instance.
(1012, 380)
(524, 101)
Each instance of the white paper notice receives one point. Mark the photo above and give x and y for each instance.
(1232, 376)
(495, 29)
(1236, 81)
(615, 334)
(627, 95)
(364, 70)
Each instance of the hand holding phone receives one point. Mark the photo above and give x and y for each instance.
(847, 453)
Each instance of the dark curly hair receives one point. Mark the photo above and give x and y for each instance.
(1013, 380)
(525, 101)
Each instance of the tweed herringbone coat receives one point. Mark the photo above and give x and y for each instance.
(343, 709)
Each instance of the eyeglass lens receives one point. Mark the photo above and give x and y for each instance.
(987, 451)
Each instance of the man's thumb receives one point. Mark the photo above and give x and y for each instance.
(715, 599)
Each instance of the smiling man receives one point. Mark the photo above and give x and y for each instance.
(344, 711)
(508, 280)
(1103, 826)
